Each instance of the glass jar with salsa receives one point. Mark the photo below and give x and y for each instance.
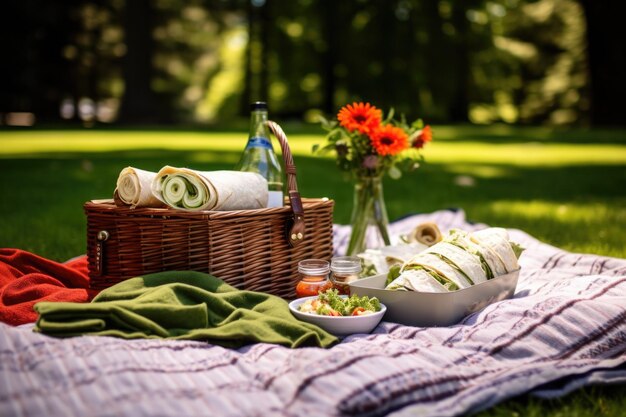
(313, 277)
(345, 269)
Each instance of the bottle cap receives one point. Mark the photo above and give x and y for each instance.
(258, 105)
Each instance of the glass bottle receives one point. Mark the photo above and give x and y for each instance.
(313, 277)
(259, 156)
(345, 269)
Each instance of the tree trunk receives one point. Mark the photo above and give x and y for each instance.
(437, 69)
(607, 60)
(264, 35)
(459, 104)
(139, 103)
(328, 16)
(244, 109)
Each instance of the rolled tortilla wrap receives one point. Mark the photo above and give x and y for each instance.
(379, 261)
(491, 257)
(428, 233)
(466, 262)
(437, 264)
(460, 260)
(401, 253)
(187, 189)
(133, 188)
(497, 239)
(416, 280)
(493, 262)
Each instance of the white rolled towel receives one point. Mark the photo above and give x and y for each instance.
(134, 188)
(183, 188)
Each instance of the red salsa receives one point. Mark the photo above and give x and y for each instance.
(310, 286)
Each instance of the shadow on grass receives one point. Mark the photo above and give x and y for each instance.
(571, 206)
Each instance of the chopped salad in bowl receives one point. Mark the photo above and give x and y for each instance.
(339, 314)
(330, 303)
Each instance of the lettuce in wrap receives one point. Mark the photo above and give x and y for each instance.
(460, 260)
(187, 189)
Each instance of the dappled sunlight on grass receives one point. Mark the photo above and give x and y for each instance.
(34, 143)
(564, 224)
(570, 213)
(478, 170)
(526, 154)
(570, 195)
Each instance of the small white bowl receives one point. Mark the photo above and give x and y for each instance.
(339, 325)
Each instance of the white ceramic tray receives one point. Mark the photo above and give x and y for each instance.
(435, 309)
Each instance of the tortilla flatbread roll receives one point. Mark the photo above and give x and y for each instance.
(493, 261)
(401, 253)
(215, 190)
(490, 256)
(134, 188)
(416, 280)
(437, 264)
(468, 263)
(427, 233)
(497, 239)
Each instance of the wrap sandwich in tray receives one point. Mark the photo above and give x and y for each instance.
(460, 260)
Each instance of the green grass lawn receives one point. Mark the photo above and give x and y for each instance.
(566, 187)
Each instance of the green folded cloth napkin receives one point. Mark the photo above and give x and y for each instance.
(182, 305)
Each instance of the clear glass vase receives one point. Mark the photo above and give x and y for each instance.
(369, 219)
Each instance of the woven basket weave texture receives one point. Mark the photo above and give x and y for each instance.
(249, 249)
(246, 248)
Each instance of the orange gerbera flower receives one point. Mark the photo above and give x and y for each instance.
(359, 116)
(389, 140)
(425, 136)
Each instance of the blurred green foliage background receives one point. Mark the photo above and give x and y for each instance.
(558, 62)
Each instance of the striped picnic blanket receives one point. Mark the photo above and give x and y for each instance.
(565, 327)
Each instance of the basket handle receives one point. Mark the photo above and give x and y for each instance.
(296, 230)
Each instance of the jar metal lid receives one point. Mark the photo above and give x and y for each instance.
(346, 264)
(314, 267)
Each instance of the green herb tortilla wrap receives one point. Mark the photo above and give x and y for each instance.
(460, 260)
(183, 188)
(134, 188)
(498, 240)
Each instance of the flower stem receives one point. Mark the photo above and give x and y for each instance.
(368, 210)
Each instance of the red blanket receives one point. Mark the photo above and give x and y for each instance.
(26, 279)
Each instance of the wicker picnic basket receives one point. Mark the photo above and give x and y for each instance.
(255, 250)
